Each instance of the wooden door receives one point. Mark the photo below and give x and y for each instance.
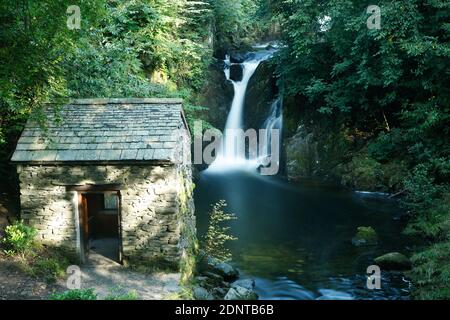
(84, 226)
(119, 223)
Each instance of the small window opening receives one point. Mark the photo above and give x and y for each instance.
(110, 201)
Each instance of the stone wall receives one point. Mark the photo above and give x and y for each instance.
(157, 206)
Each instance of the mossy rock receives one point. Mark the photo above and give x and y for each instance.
(365, 236)
(393, 261)
(363, 173)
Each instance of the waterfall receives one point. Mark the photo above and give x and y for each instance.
(234, 120)
(274, 121)
(229, 155)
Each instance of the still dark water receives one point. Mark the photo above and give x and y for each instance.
(295, 239)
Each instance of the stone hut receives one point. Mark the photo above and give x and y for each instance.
(110, 176)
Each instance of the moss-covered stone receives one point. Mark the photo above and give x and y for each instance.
(363, 173)
(393, 261)
(365, 236)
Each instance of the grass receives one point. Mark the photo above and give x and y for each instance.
(75, 294)
(45, 263)
(116, 293)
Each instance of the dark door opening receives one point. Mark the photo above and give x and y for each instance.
(101, 224)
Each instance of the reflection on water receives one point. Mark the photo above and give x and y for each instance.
(295, 240)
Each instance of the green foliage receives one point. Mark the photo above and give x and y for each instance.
(48, 263)
(34, 40)
(118, 293)
(19, 238)
(75, 294)
(48, 268)
(431, 272)
(109, 70)
(421, 187)
(365, 236)
(384, 146)
(432, 222)
(364, 173)
(218, 234)
(233, 21)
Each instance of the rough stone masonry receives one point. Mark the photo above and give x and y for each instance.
(157, 211)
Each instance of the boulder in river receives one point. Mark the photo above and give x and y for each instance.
(228, 272)
(365, 236)
(240, 56)
(201, 293)
(240, 293)
(209, 265)
(245, 283)
(393, 261)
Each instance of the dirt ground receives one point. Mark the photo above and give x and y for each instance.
(101, 274)
(15, 285)
(107, 277)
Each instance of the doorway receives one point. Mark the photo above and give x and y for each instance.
(100, 224)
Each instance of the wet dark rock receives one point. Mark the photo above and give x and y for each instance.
(216, 94)
(402, 216)
(214, 277)
(240, 293)
(261, 92)
(220, 279)
(195, 174)
(228, 272)
(245, 283)
(240, 56)
(302, 158)
(201, 280)
(219, 292)
(236, 72)
(208, 266)
(201, 293)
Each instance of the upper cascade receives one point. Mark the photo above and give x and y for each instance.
(230, 156)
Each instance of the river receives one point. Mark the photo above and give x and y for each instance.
(295, 239)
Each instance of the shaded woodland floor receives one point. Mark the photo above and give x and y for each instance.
(106, 277)
(16, 285)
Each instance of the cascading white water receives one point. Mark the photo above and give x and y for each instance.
(274, 121)
(234, 120)
(229, 155)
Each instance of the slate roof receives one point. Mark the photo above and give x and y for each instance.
(106, 130)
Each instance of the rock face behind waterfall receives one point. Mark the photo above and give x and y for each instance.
(217, 94)
(301, 155)
(313, 151)
(261, 92)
